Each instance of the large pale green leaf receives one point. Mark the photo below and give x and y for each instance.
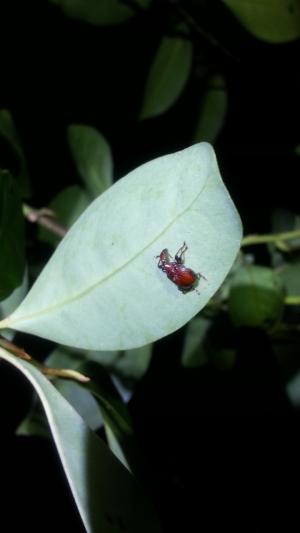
(102, 290)
(67, 206)
(92, 156)
(12, 238)
(212, 111)
(106, 495)
(167, 77)
(131, 364)
(275, 21)
(9, 132)
(99, 12)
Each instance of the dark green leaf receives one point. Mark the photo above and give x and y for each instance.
(212, 111)
(9, 133)
(92, 156)
(12, 241)
(256, 297)
(116, 418)
(274, 21)
(167, 77)
(99, 12)
(113, 409)
(290, 277)
(194, 353)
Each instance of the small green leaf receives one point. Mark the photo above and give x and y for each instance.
(103, 489)
(117, 422)
(194, 353)
(274, 21)
(115, 447)
(297, 149)
(134, 363)
(128, 364)
(256, 297)
(290, 277)
(116, 418)
(9, 133)
(112, 407)
(101, 13)
(93, 158)
(168, 75)
(12, 239)
(212, 111)
(102, 290)
(67, 206)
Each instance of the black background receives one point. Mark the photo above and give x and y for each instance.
(224, 446)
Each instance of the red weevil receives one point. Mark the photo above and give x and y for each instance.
(185, 278)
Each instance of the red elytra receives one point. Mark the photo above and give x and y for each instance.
(185, 278)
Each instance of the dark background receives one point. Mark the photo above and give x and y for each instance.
(224, 446)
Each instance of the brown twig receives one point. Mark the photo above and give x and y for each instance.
(45, 218)
(15, 350)
(65, 373)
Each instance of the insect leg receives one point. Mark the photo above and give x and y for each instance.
(178, 256)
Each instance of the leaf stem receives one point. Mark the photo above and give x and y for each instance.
(45, 218)
(14, 349)
(292, 300)
(204, 34)
(269, 237)
(65, 373)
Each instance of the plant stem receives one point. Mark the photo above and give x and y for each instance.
(292, 300)
(44, 217)
(65, 373)
(15, 350)
(194, 26)
(269, 237)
